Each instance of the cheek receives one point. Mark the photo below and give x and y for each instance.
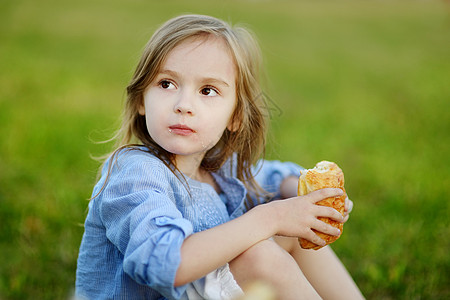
(153, 121)
(216, 128)
(153, 112)
(150, 101)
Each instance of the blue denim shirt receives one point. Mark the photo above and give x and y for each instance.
(138, 221)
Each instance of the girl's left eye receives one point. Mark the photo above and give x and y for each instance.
(208, 91)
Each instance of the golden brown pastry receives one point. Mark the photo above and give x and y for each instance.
(324, 175)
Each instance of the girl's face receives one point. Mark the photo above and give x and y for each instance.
(190, 103)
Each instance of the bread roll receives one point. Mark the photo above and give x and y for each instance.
(324, 175)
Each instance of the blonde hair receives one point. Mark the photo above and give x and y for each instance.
(248, 140)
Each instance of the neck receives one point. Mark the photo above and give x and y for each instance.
(190, 166)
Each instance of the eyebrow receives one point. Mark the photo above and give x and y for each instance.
(216, 80)
(168, 72)
(205, 79)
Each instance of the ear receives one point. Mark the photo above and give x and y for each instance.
(141, 108)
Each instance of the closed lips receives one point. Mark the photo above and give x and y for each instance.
(181, 129)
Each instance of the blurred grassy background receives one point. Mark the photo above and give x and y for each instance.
(362, 83)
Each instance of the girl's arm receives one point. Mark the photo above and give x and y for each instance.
(205, 251)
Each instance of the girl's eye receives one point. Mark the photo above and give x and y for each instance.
(207, 91)
(165, 84)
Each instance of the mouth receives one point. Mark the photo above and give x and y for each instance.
(180, 129)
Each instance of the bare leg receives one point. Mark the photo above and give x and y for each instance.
(269, 263)
(323, 269)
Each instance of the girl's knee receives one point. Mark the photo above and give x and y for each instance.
(269, 263)
(290, 244)
(264, 259)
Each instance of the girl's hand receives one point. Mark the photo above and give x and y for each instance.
(347, 209)
(297, 216)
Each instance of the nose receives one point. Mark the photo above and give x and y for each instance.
(184, 104)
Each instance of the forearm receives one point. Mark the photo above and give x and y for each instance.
(205, 251)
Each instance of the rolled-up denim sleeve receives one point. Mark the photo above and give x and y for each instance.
(143, 222)
(270, 173)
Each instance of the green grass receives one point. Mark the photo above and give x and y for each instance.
(362, 83)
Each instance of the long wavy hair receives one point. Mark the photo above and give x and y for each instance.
(247, 142)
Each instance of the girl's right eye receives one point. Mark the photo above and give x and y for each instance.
(165, 84)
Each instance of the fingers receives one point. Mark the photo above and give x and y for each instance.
(314, 238)
(329, 212)
(321, 227)
(324, 211)
(347, 209)
(321, 194)
(348, 205)
(346, 218)
(326, 228)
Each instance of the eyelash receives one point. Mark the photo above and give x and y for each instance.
(166, 81)
(161, 82)
(210, 88)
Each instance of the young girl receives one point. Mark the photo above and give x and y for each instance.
(181, 210)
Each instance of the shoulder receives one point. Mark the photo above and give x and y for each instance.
(135, 167)
(136, 154)
(138, 175)
(134, 158)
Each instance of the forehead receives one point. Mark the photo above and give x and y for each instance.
(203, 41)
(208, 54)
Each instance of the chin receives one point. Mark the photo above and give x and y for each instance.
(185, 151)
